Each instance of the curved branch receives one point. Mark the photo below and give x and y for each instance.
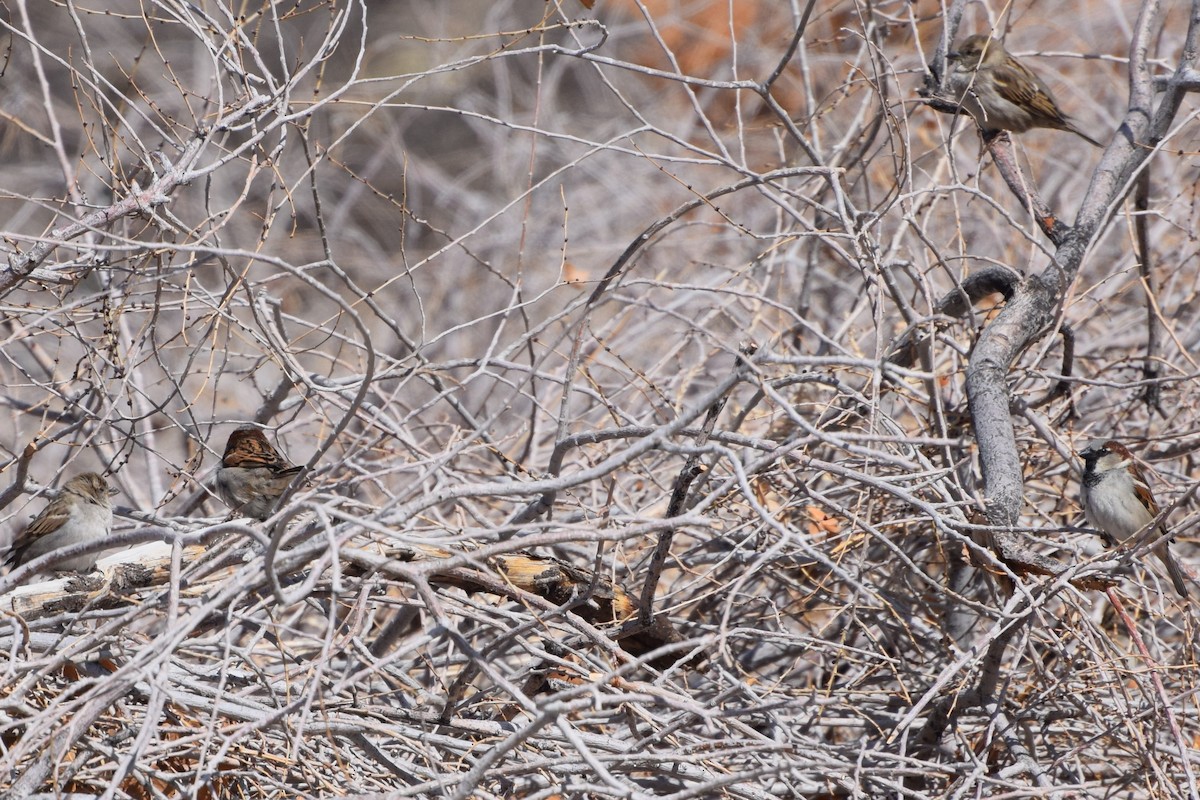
(957, 303)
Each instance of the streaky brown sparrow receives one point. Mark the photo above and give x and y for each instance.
(1001, 93)
(1117, 500)
(82, 512)
(252, 475)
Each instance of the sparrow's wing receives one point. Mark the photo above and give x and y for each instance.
(1142, 489)
(1016, 84)
(274, 462)
(53, 517)
(253, 451)
(1022, 88)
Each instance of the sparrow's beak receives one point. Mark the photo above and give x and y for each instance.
(113, 490)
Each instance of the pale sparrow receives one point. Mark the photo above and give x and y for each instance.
(1118, 501)
(82, 512)
(1000, 92)
(252, 475)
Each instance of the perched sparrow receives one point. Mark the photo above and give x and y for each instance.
(82, 512)
(1118, 501)
(252, 475)
(1001, 93)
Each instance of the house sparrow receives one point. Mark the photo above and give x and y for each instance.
(82, 512)
(1118, 501)
(1001, 93)
(252, 475)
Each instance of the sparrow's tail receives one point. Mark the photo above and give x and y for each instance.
(1070, 127)
(1174, 570)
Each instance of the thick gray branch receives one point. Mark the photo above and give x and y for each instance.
(1033, 307)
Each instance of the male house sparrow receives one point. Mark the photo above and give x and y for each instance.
(252, 475)
(82, 512)
(1118, 501)
(1001, 93)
